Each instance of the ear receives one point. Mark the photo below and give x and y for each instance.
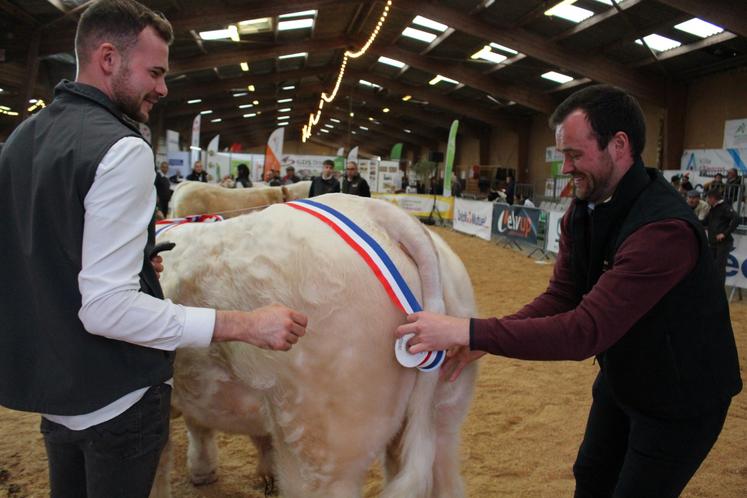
(108, 58)
(620, 147)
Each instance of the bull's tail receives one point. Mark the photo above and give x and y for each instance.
(415, 451)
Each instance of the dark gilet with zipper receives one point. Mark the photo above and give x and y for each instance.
(680, 358)
(48, 362)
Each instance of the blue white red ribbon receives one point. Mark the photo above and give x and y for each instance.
(382, 266)
(166, 225)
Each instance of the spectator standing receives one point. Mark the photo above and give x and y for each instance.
(325, 183)
(632, 257)
(163, 188)
(733, 186)
(699, 206)
(273, 179)
(87, 339)
(290, 176)
(242, 176)
(510, 189)
(198, 174)
(353, 183)
(720, 222)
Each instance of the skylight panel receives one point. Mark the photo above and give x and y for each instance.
(557, 77)
(216, 34)
(605, 2)
(283, 118)
(659, 43)
(295, 24)
(503, 48)
(569, 12)
(699, 27)
(428, 23)
(391, 62)
(486, 54)
(418, 34)
(324, 130)
(283, 101)
(289, 87)
(439, 78)
(290, 56)
(194, 101)
(334, 120)
(368, 83)
(302, 13)
(284, 109)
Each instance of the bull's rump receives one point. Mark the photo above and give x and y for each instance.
(345, 364)
(204, 198)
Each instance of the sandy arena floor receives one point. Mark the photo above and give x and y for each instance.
(520, 438)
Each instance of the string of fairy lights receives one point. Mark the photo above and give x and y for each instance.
(314, 117)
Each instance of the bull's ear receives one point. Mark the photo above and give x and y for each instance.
(286, 195)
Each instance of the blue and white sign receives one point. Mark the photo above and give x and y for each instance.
(553, 231)
(736, 263)
(708, 162)
(473, 217)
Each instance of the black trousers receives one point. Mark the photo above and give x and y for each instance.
(628, 454)
(115, 459)
(720, 253)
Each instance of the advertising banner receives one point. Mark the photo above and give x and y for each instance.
(450, 150)
(516, 222)
(735, 134)
(708, 162)
(420, 204)
(473, 217)
(195, 146)
(212, 166)
(553, 231)
(172, 141)
(273, 152)
(736, 263)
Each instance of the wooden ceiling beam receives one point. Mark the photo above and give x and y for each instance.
(596, 19)
(728, 14)
(454, 106)
(237, 55)
(475, 79)
(17, 13)
(384, 128)
(196, 91)
(596, 67)
(686, 49)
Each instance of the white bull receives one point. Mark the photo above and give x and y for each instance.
(205, 198)
(323, 412)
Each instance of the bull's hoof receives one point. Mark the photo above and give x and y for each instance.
(202, 479)
(270, 488)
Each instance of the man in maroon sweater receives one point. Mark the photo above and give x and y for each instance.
(632, 256)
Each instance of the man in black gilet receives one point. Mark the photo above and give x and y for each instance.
(87, 339)
(632, 257)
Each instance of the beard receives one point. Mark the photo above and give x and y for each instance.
(127, 99)
(595, 188)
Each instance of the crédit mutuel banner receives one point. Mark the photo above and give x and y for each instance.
(473, 217)
(516, 222)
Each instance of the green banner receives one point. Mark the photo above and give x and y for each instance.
(339, 163)
(556, 168)
(450, 149)
(396, 152)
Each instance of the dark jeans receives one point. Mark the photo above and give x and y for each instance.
(115, 459)
(720, 253)
(627, 454)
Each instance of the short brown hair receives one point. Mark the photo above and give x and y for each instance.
(119, 22)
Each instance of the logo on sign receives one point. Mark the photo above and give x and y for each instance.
(471, 218)
(516, 223)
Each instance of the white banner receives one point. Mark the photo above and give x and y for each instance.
(552, 154)
(553, 231)
(305, 166)
(213, 167)
(172, 141)
(353, 154)
(473, 217)
(708, 162)
(195, 151)
(735, 134)
(420, 204)
(736, 263)
(145, 132)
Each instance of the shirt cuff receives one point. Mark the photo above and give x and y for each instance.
(198, 327)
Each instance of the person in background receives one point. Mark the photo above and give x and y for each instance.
(510, 189)
(273, 178)
(632, 257)
(87, 338)
(720, 222)
(716, 184)
(242, 176)
(353, 183)
(290, 176)
(699, 206)
(198, 174)
(733, 186)
(325, 183)
(163, 188)
(521, 200)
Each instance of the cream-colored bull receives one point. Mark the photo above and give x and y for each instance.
(206, 198)
(323, 412)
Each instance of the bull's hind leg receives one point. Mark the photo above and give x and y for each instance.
(452, 403)
(202, 454)
(265, 462)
